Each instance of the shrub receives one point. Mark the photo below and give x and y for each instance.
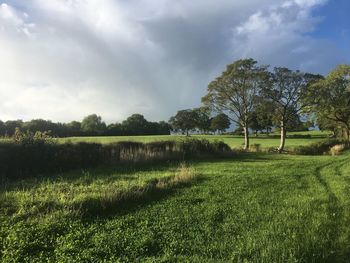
(337, 149)
(194, 148)
(299, 136)
(255, 147)
(30, 155)
(322, 147)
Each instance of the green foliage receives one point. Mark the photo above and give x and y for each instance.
(27, 138)
(263, 115)
(93, 125)
(184, 120)
(202, 119)
(331, 100)
(220, 122)
(288, 91)
(235, 92)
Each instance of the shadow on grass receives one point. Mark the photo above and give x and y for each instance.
(121, 203)
(125, 171)
(246, 157)
(108, 172)
(331, 229)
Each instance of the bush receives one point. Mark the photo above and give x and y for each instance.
(337, 149)
(255, 147)
(28, 156)
(195, 148)
(322, 147)
(299, 136)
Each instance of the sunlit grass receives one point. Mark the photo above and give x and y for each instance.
(253, 208)
(231, 140)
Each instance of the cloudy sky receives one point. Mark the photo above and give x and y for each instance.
(64, 59)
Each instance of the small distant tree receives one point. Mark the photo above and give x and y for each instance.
(220, 123)
(264, 112)
(73, 128)
(203, 119)
(164, 128)
(235, 92)
(93, 125)
(254, 123)
(10, 126)
(38, 125)
(238, 131)
(136, 124)
(184, 120)
(2, 128)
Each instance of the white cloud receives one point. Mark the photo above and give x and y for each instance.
(63, 59)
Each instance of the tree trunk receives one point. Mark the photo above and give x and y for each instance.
(267, 131)
(246, 138)
(283, 137)
(186, 132)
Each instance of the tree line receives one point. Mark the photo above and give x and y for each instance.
(253, 96)
(199, 119)
(91, 125)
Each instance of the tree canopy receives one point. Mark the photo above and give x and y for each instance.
(331, 99)
(235, 92)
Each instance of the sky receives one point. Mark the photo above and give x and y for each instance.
(64, 59)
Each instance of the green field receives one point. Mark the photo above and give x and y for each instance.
(231, 140)
(247, 208)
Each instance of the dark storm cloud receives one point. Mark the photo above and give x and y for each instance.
(63, 59)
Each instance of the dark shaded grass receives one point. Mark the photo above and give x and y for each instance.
(318, 148)
(23, 160)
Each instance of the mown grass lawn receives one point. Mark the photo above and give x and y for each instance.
(233, 141)
(251, 208)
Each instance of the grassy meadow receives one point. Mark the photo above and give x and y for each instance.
(251, 207)
(234, 141)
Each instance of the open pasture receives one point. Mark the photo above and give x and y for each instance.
(234, 141)
(250, 208)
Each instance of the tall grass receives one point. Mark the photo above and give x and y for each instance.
(20, 160)
(323, 147)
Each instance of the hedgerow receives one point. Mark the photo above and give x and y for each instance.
(32, 154)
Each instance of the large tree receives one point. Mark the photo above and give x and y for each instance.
(286, 92)
(331, 97)
(235, 92)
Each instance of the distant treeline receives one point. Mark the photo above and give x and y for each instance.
(91, 125)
